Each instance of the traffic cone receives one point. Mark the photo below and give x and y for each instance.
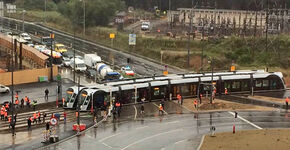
(234, 129)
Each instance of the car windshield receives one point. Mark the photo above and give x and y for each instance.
(61, 47)
(81, 65)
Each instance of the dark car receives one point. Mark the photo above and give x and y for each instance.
(68, 55)
(91, 73)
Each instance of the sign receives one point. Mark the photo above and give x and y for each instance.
(53, 121)
(233, 68)
(165, 72)
(51, 35)
(112, 35)
(132, 39)
(119, 20)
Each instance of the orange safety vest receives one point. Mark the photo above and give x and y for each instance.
(30, 119)
(118, 104)
(77, 114)
(7, 105)
(17, 102)
(287, 99)
(34, 115)
(16, 96)
(5, 114)
(26, 99)
(226, 91)
(63, 100)
(9, 119)
(178, 97)
(38, 115)
(195, 102)
(160, 108)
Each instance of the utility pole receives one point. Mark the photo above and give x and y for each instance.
(78, 104)
(51, 55)
(211, 88)
(12, 88)
(188, 42)
(74, 56)
(267, 23)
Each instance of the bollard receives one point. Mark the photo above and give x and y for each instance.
(234, 129)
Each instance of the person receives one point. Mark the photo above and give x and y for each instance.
(63, 101)
(39, 115)
(163, 101)
(287, 101)
(64, 117)
(46, 94)
(43, 117)
(47, 126)
(15, 117)
(160, 109)
(29, 120)
(179, 98)
(16, 103)
(142, 109)
(2, 112)
(226, 91)
(22, 103)
(118, 108)
(9, 121)
(34, 104)
(34, 117)
(6, 115)
(195, 104)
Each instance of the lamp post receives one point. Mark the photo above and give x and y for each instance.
(12, 88)
(78, 104)
(211, 85)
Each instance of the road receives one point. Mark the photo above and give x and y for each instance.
(172, 131)
(140, 65)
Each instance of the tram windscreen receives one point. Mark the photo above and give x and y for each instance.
(83, 97)
(69, 95)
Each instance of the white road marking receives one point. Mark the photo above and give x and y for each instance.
(163, 148)
(158, 108)
(107, 145)
(103, 139)
(142, 127)
(201, 142)
(179, 141)
(246, 121)
(144, 139)
(171, 122)
(136, 112)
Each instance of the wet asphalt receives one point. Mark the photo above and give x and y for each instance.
(173, 130)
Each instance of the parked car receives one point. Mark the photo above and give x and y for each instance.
(91, 73)
(127, 71)
(4, 89)
(66, 61)
(25, 36)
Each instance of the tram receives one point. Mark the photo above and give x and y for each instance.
(188, 85)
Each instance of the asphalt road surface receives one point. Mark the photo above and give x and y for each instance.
(140, 65)
(170, 131)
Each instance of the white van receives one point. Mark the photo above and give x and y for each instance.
(91, 60)
(80, 64)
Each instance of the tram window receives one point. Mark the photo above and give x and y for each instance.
(184, 89)
(273, 84)
(227, 85)
(258, 83)
(236, 85)
(156, 91)
(265, 83)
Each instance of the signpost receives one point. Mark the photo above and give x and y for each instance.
(112, 36)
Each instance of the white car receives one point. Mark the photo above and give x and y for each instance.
(66, 61)
(127, 71)
(4, 89)
(25, 36)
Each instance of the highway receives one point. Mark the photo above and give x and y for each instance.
(173, 131)
(142, 66)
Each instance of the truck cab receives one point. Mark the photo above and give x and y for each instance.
(79, 65)
(60, 48)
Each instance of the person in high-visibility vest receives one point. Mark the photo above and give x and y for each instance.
(38, 116)
(118, 108)
(26, 99)
(34, 117)
(63, 101)
(179, 98)
(16, 103)
(16, 96)
(160, 109)
(77, 114)
(6, 115)
(2, 114)
(287, 101)
(9, 121)
(195, 103)
(226, 91)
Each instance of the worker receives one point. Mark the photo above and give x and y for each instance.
(16, 103)
(22, 103)
(43, 117)
(118, 108)
(226, 91)
(7, 106)
(29, 120)
(2, 112)
(6, 115)
(34, 117)
(34, 104)
(15, 118)
(16, 96)
(26, 99)
(63, 101)
(195, 104)
(179, 98)
(29, 102)
(38, 116)
(77, 114)
(163, 101)
(9, 121)
(160, 109)
(142, 109)
(46, 94)
(287, 101)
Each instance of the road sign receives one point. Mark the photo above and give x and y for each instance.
(53, 121)
(132, 39)
(112, 35)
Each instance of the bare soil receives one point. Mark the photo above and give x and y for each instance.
(267, 139)
(271, 99)
(221, 105)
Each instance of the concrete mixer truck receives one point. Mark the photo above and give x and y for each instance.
(105, 73)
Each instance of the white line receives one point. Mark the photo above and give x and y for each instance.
(144, 139)
(163, 148)
(201, 142)
(179, 141)
(158, 107)
(142, 127)
(246, 121)
(107, 145)
(171, 122)
(136, 112)
(109, 137)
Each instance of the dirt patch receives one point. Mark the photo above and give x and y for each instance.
(271, 99)
(221, 105)
(267, 139)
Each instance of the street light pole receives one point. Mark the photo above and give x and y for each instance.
(211, 89)
(12, 88)
(78, 104)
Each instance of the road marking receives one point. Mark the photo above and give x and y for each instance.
(144, 139)
(179, 141)
(136, 112)
(142, 127)
(107, 145)
(201, 142)
(246, 121)
(171, 122)
(162, 110)
(103, 139)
